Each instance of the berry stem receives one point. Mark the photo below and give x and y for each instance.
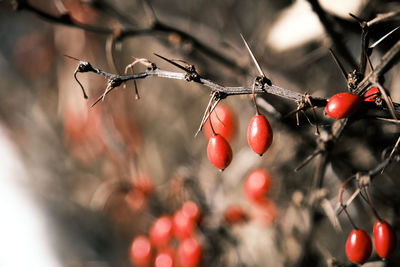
(344, 207)
(349, 217)
(371, 205)
(209, 120)
(254, 98)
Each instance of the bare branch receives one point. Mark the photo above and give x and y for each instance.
(120, 34)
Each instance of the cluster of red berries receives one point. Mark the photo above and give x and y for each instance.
(359, 244)
(219, 129)
(158, 248)
(343, 105)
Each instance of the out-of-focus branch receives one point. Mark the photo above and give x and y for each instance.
(383, 18)
(388, 59)
(120, 34)
(333, 34)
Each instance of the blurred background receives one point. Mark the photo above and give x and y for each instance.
(78, 184)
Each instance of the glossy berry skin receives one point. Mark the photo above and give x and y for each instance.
(384, 239)
(343, 105)
(219, 152)
(161, 231)
(140, 252)
(223, 122)
(256, 185)
(358, 246)
(189, 253)
(259, 134)
(165, 258)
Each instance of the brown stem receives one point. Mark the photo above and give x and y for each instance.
(371, 205)
(254, 99)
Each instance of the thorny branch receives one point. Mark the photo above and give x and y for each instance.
(223, 92)
(331, 31)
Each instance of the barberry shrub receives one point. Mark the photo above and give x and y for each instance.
(106, 131)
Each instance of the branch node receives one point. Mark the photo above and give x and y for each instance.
(363, 179)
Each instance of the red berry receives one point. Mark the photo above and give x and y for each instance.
(265, 212)
(259, 134)
(165, 258)
(161, 231)
(371, 94)
(256, 185)
(223, 122)
(144, 183)
(189, 252)
(183, 225)
(136, 199)
(384, 239)
(343, 105)
(235, 214)
(219, 152)
(190, 209)
(140, 252)
(358, 246)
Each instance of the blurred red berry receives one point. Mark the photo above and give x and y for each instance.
(191, 209)
(189, 253)
(223, 122)
(183, 225)
(140, 252)
(256, 185)
(235, 214)
(161, 231)
(265, 212)
(165, 258)
(144, 183)
(136, 199)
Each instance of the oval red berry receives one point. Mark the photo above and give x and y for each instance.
(384, 239)
(259, 134)
(219, 152)
(343, 105)
(358, 246)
